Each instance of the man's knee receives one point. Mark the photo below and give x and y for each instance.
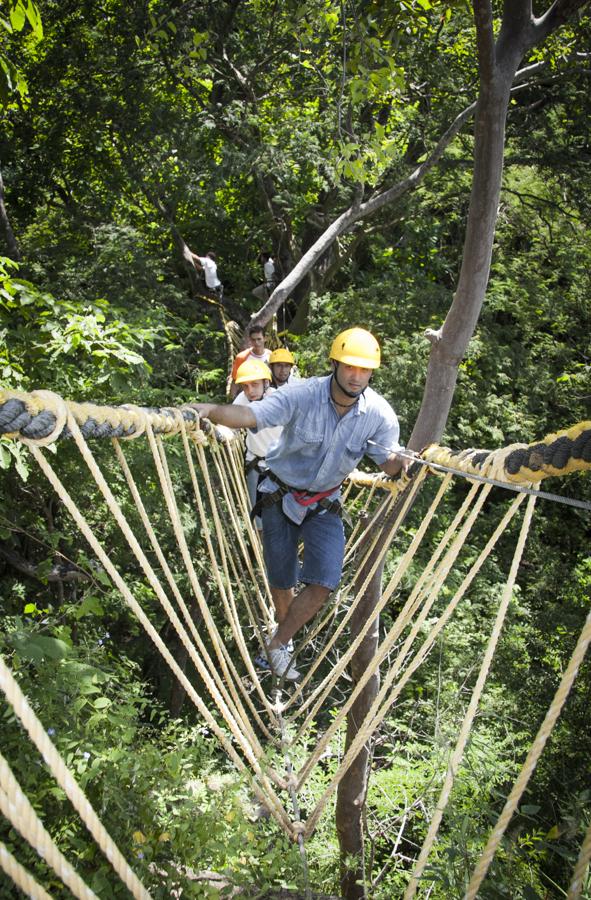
(316, 594)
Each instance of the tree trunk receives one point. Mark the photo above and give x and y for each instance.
(13, 250)
(352, 790)
(450, 343)
(498, 67)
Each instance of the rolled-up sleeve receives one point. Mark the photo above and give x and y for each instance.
(276, 409)
(386, 436)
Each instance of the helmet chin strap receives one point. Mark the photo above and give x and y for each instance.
(353, 394)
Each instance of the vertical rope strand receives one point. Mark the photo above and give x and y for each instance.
(262, 787)
(228, 669)
(376, 713)
(341, 665)
(23, 879)
(318, 696)
(576, 885)
(213, 670)
(67, 782)
(562, 692)
(23, 818)
(457, 755)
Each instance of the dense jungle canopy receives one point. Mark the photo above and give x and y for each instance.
(340, 137)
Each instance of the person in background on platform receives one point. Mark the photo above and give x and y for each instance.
(256, 350)
(263, 291)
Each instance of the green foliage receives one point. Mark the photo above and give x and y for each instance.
(12, 80)
(239, 127)
(161, 789)
(88, 349)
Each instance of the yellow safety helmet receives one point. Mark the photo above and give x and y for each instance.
(282, 355)
(356, 347)
(253, 370)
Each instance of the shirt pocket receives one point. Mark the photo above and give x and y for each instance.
(350, 457)
(307, 441)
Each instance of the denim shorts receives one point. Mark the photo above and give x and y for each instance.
(324, 545)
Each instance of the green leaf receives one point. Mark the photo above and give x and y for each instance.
(38, 647)
(90, 606)
(101, 703)
(18, 16)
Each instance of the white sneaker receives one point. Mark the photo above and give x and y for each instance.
(280, 659)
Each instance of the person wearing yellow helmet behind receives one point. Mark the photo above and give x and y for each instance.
(254, 376)
(281, 363)
(329, 424)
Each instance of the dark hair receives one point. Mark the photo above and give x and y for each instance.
(264, 256)
(253, 329)
(211, 254)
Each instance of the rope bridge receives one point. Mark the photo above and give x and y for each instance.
(261, 724)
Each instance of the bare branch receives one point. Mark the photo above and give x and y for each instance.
(557, 14)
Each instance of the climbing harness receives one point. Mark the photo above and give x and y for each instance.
(257, 462)
(303, 497)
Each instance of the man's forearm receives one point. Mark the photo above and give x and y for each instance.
(226, 414)
(394, 464)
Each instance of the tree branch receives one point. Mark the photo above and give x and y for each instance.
(483, 20)
(554, 17)
(59, 573)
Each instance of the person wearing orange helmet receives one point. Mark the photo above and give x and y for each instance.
(329, 424)
(254, 376)
(281, 363)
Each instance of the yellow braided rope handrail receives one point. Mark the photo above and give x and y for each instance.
(560, 453)
(23, 879)
(36, 415)
(68, 783)
(15, 806)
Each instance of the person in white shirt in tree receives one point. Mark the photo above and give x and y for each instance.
(207, 264)
(264, 291)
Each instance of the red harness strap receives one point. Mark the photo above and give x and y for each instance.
(305, 499)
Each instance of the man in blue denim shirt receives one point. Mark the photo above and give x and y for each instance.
(329, 424)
